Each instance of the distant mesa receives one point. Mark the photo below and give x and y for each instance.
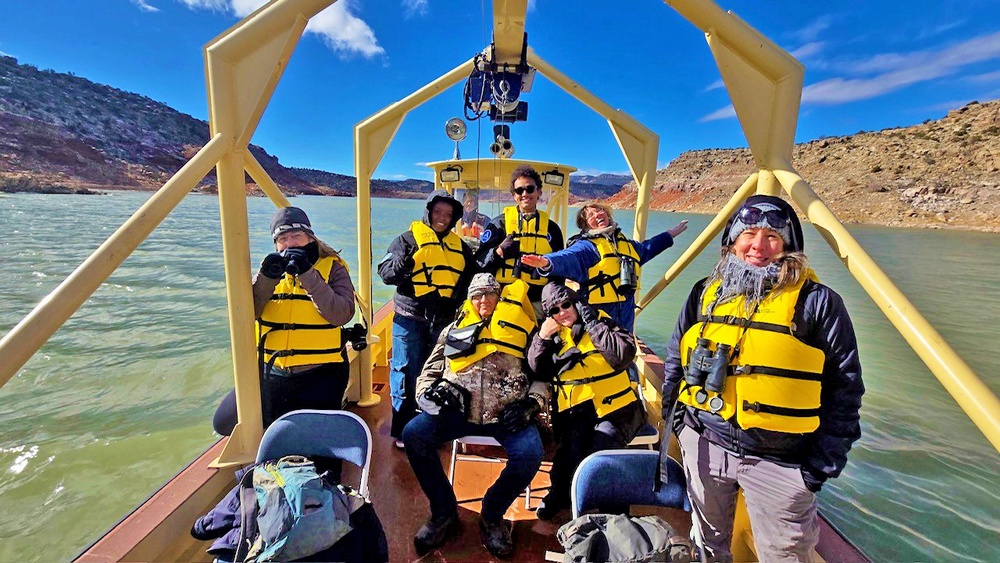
(60, 133)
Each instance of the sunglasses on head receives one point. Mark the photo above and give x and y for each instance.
(553, 311)
(775, 218)
(529, 189)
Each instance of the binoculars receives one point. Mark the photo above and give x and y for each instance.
(708, 368)
(627, 276)
(356, 335)
(518, 268)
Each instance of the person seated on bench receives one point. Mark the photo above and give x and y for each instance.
(475, 383)
(585, 354)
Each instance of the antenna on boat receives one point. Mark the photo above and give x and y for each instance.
(455, 129)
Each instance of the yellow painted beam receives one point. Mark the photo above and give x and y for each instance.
(707, 236)
(975, 398)
(263, 180)
(508, 30)
(44, 320)
(371, 139)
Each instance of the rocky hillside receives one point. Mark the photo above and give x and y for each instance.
(943, 173)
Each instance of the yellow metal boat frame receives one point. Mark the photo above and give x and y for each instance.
(242, 68)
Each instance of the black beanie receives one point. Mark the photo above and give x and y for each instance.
(290, 219)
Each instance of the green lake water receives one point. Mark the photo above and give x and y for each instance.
(121, 398)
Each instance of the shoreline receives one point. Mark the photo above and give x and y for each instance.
(98, 190)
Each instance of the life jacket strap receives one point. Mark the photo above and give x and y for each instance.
(744, 323)
(290, 296)
(781, 411)
(294, 326)
(778, 372)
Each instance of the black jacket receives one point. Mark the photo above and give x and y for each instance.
(396, 268)
(488, 261)
(820, 320)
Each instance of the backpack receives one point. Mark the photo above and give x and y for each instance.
(616, 537)
(289, 511)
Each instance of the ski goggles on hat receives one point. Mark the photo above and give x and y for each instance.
(774, 217)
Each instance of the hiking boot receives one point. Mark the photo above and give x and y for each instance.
(549, 507)
(434, 532)
(496, 537)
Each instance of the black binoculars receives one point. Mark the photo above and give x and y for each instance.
(357, 336)
(708, 368)
(628, 279)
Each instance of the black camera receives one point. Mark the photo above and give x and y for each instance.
(289, 266)
(357, 335)
(628, 278)
(448, 395)
(708, 368)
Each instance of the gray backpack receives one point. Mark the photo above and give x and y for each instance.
(616, 537)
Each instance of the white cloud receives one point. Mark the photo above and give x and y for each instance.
(414, 8)
(985, 78)
(812, 31)
(722, 113)
(893, 71)
(340, 29)
(144, 6)
(898, 70)
(714, 86)
(808, 50)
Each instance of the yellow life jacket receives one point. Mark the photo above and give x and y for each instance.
(506, 331)
(533, 234)
(296, 333)
(438, 263)
(774, 379)
(589, 377)
(604, 277)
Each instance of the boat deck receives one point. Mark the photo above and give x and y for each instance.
(402, 506)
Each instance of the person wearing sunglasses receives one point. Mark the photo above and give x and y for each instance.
(605, 262)
(584, 353)
(475, 384)
(520, 230)
(430, 266)
(763, 386)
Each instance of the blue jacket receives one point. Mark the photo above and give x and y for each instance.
(581, 255)
(820, 320)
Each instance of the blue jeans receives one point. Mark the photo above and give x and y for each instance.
(423, 437)
(412, 341)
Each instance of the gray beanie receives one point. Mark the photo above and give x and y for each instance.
(290, 219)
(482, 284)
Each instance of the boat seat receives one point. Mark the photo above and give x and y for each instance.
(457, 456)
(333, 433)
(612, 477)
(647, 436)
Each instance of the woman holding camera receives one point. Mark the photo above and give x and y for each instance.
(302, 296)
(763, 366)
(584, 354)
(605, 262)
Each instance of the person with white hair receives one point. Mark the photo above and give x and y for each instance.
(763, 367)
(475, 383)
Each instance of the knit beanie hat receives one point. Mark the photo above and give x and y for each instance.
(483, 283)
(764, 211)
(290, 219)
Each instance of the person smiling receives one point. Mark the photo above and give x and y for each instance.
(519, 231)
(763, 366)
(605, 262)
(430, 266)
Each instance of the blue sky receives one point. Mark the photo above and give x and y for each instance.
(869, 65)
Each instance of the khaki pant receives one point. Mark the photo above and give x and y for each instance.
(782, 511)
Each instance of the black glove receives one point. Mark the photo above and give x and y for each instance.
(588, 314)
(519, 414)
(297, 261)
(273, 266)
(511, 247)
(406, 265)
(813, 482)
